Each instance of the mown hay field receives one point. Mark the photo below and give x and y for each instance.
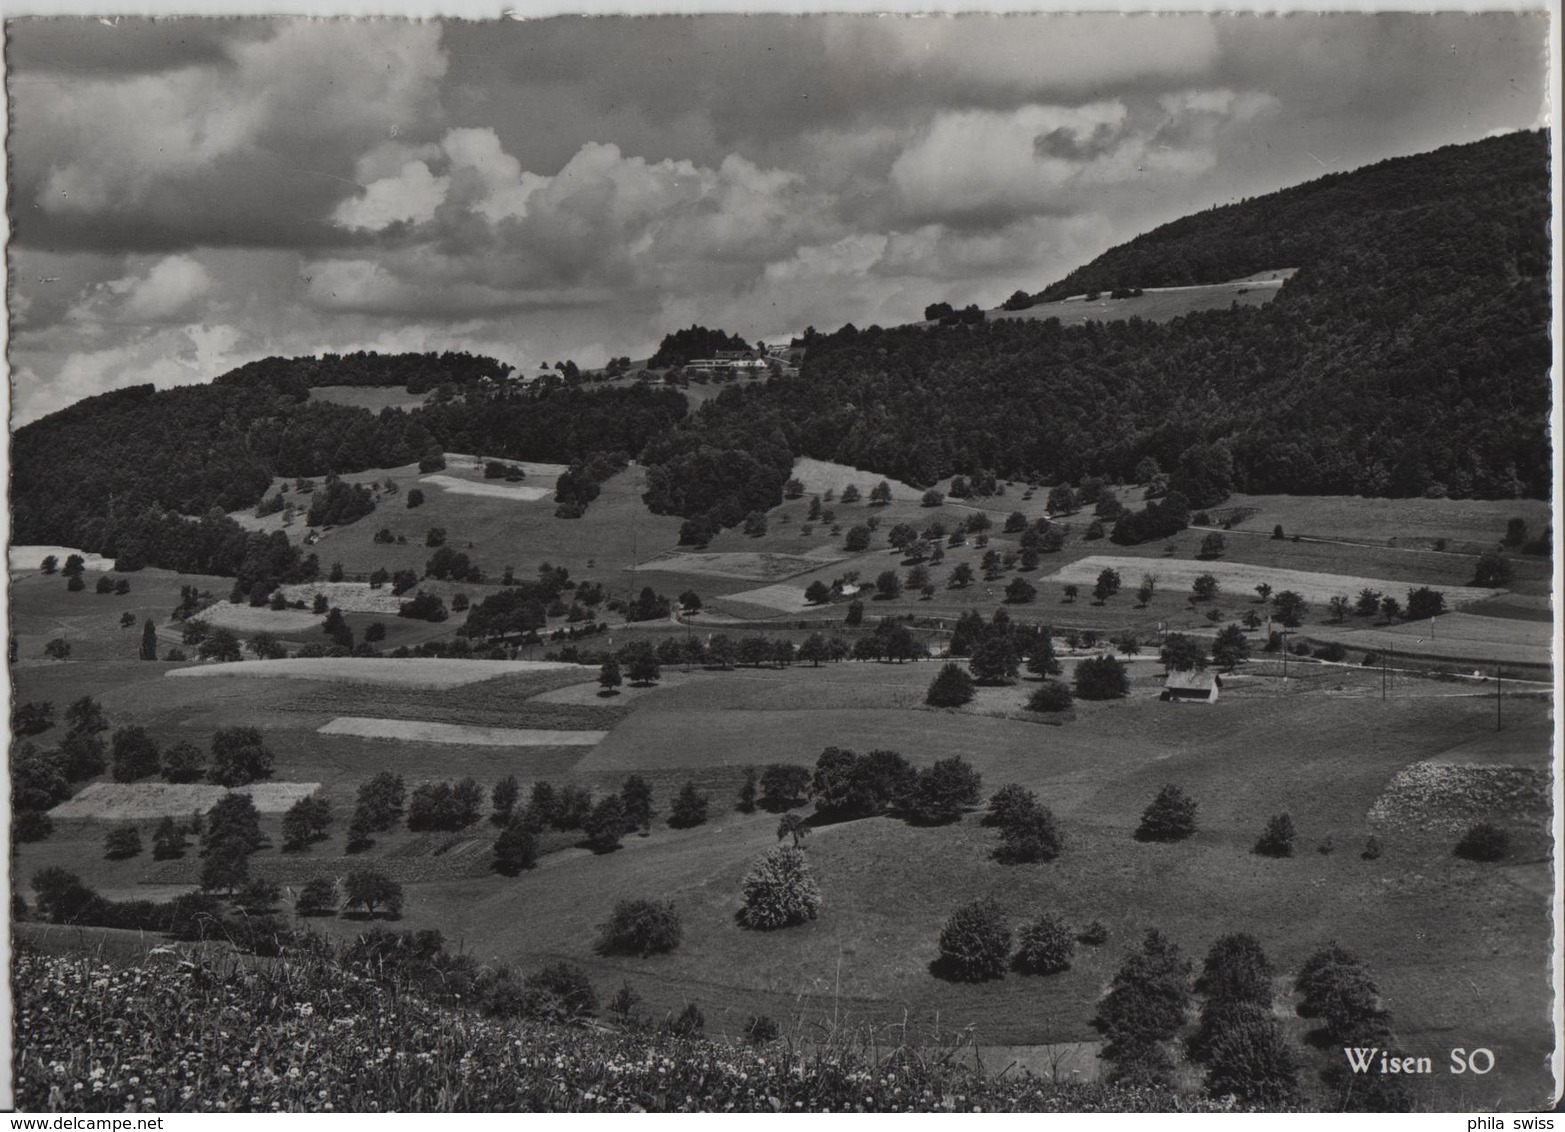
(412, 672)
(350, 597)
(424, 731)
(140, 801)
(244, 618)
(745, 565)
(1243, 577)
(489, 489)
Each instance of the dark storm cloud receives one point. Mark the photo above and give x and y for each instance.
(44, 49)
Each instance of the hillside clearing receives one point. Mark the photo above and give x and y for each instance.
(420, 731)
(784, 599)
(350, 597)
(522, 493)
(371, 397)
(1242, 578)
(139, 801)
(1158, 304)
(412, 672)
(29, 559)
(818, 476)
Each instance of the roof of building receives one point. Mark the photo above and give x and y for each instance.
(1192, 681)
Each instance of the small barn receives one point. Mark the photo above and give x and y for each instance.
(1192, 687)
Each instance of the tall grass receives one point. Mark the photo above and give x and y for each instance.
(206, 1030)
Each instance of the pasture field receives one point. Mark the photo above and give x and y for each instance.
(1243, 577)
(1456, 947)
(492, 489)
(747, 566)
(413, 672)
(140, 801)
(350, 597)
(424, 731)
(1469, 525)
(819, 476)
(1489, 644)
(29, 559)
(371, 397)
(244, 618)
(1156, 304)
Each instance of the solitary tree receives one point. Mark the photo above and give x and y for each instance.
(779, 891)
(1046, 946)
(792, 825)
(1170, 817)
(1107, 585)
(636, 800)
(1277, 838)
(370, 889)
(149, 640)
(609, 677)
(238, 757)
(975, 943)
(135, 754)
(952, 687)
(688, 808)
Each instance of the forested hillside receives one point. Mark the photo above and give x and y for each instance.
(1408, 356)
(117, 471)
(1304, 224)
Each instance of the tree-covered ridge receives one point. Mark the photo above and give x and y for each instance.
(1410, 356)
(1303, 224)
(122, 467)
(697, 342)
(417, 373)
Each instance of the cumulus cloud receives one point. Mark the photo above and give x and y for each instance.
(191, 195)
(220, 151)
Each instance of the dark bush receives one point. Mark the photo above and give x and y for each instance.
(1045, 946)
(1170, 817)
(122, 843)
(1277, 838)
(944, 790)
(640, 927)
(515, 849)
(1050, 696)
(688, 809)
(1484, 842)
(1095, 934)
(561, 992)
(952, 687)
(779, 891)
(1237, 970)
(975, 943)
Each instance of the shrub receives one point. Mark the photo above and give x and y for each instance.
(975, 943)
(1484, 842)
(688, 1024)
(688, 809)
(1029, 834)
(944, 790)
(761, 1029)
(1170, 816)
(1095, 934)
(1045, 946)
(640, 927)
(1051, 696)
(1101, 678)
(779, 891)
(122, 843)
(1372, 849)
(1009, 803)
(1147, 1001)
(1334, 651)
(953, 687)
(1250, 1058)
(561, 992)
(1276, 839)
(135, 754)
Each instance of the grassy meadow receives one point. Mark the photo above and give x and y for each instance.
(1459, 949)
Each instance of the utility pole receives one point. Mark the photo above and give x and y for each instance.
(1382, 677)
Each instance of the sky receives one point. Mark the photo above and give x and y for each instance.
(189, 195)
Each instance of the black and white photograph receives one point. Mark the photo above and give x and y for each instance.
(783, 563)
